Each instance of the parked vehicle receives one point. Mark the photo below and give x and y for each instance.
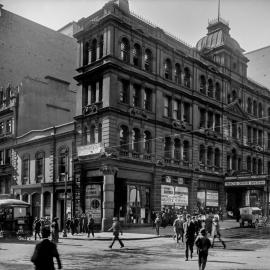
(14, 217)
(252, 216)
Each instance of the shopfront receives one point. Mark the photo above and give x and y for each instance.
(208, 196)
(174, 193)
(246, 191)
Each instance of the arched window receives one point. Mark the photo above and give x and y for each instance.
(254, 166)
(202, 84)
(167, 147)
(86, 53)
(177, 73)
(210, 88)
(124, 47)
(135, 140)
(92, 134)
(40, 159)
(148, 60)
(168, 69)
(260, 110)
(254, 108)
(147, 142)
(187, 77)
(101, 46)
(123, 137)
(186, 151)
(217, 158)
(137, 55)
(260, 167)
(249, 105)
(202, 154)
(218, 91)
(94, 50)
(234, 95)
(62, 163)
(177, 150)
(99, 132)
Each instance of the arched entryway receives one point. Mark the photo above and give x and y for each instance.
(36, 205)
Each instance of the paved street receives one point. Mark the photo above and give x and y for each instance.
(156, 253)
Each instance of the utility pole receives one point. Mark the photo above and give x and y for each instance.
(65, 207)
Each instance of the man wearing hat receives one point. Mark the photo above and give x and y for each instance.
(203, 244)
(55, 230)
(189, 232)
(44, 253)
(116, 228)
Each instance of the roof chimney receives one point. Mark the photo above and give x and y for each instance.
(123, 5)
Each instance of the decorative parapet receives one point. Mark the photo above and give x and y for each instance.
(108, 170)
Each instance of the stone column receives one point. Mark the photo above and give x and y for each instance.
(108, 195)
(41, 204)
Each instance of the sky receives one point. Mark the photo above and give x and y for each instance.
(249, 20)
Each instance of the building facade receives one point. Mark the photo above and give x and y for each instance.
(161, 124)
(37, 89)
(44, 172)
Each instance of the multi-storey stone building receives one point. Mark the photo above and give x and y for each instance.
(36, 85)
(176, 126)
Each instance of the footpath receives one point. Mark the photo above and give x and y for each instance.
(141, 232)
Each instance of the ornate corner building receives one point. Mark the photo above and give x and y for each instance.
(175, 126)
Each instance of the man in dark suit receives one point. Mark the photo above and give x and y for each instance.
(189, 232)
(44, 253)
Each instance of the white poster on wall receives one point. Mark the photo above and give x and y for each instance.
(93, 201)
(211, 198)
(174, 196)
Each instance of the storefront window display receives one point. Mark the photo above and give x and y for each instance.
(138, 204)
(207, 200)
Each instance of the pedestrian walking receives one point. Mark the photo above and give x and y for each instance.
(178, 229)
(157, 223)
(189, 231)
(44, 253)
(36, 227)
(216, 231)
(203, 244)
(90, 226)
(116, 228)
(55, 230)
(153, 217)
(72, 226)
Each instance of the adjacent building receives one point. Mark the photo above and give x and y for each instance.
(161, 124)
(259, 68)
(37, 89)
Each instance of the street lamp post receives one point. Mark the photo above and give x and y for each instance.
(65, 207)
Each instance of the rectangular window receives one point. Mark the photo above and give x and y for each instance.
(93, 93)
(25, 170)
(62, 166)
(217, 123)
(124, 91)
(260, 137)
(176, 110)
(1, 128)
(8, 156)
(249, 134)
(234, 129)
(254, 135)
(1, 157)
(148, 99)
(202, 118)
(39, 167)
(9, 126)
(136, 95)
(210, 121)
(167, 106)
(186, 115)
